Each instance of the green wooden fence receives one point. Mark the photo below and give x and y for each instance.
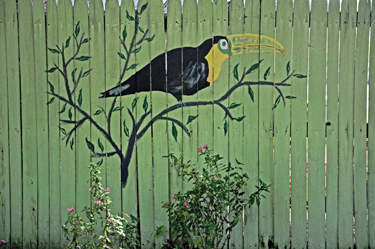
(291, 98)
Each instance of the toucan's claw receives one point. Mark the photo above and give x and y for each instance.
(181, 103)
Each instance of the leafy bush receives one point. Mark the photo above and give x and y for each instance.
(118, 231)
(204, 216)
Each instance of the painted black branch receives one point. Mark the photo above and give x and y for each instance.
(143, 37)
(79, 45)
(110, 116)
(130, 49)
(77, 81)
(177, 122)
(226, 110)
(109, 154)
(129, 151)
(76, 126)
(65, 74)
(140, 121)
(92, 121)
(68, 121)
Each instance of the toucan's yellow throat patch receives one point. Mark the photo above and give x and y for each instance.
(215, 59)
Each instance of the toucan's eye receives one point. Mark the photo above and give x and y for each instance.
(223, 44)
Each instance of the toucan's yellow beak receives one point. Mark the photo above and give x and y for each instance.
(253, 43)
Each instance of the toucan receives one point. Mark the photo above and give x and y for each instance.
(187, 70)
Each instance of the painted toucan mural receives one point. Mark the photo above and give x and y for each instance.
(197, 66)
(179, 72)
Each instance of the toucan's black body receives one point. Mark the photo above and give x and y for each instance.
(186, 73)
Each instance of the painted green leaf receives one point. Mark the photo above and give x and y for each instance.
(300, 76)
(51, 100)
(134, 103)
(51, 70)
(101, 147)
(150, 39)
(118, 108)
(86, 40)
(136, 50)
(97, 112)
(80, 97)
(225, 127)
(77, 29)
(140, 29)
(71, 143)
(90, 146)
(83, 58)
(124, 34)
(55, 51)
(86, 73)
(288, 68)
(132, 66)
(174, 132)
(129, 16)
(63, 131)
(267, 73)
(277, 101)
(51, 87)
(239, 119)
(250, 92)
(234, 105)
(290, 97)
(238, 162)
(235, 222)
(70, 114)
(63, 108)
(100, 162)
(191, 119)
(126, 130)
(67, 42)
(122, 56)
(235, 71)
(143, 8)
(145, 104)
(254, 67)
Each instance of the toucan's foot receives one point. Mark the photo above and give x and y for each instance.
(181, 103)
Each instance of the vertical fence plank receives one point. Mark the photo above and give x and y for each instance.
(346, 81)
(4, 131)
(332, 120)
(205, 118)
(251, 111)
(189, 39)
(298, 123)
(236, 129)
(15, 155)
(28, 124)
(129, 193)
(97, 76)
(42, 124)
(282, 126)
(160, 140)
(67, 160)
(144, 144)
(53, 131)
(174, 40)
(360, 95)
(316, 125)
(371, 139)
(266, 97)
(220, 87)
(112, 76)
(82, 152)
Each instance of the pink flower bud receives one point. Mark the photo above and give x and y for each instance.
(174, 197)
(200, 149)
(185, 203)
(89, 189)
(96, 202)
(108, 189)
(205, 146)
